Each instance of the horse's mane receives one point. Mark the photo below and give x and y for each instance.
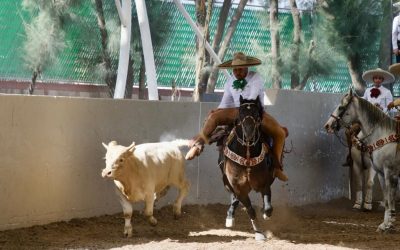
(376, 115)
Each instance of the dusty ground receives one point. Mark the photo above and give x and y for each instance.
(332, 225)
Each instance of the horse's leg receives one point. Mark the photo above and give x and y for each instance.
(382, 184)
(369, 186)
(230, 217)
(391, 181)
(245, 200)
(357, 177)
(267, 206)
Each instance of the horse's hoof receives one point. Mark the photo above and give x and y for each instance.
(266, 217)
(367, 207)
(385, 228)
(260, 236)
(229, 222)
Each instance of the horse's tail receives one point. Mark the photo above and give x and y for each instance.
(181, 143)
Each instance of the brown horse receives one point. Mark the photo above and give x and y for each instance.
(248, 164)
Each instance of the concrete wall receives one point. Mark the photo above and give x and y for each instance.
(51, 154)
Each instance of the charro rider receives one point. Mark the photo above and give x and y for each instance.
(377, 95)
(249, 85)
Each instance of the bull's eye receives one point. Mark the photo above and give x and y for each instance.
(121, 160)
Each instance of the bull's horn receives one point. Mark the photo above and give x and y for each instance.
(105, 145)
(131, 147)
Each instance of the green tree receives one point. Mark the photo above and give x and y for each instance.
(352, 28)
(44, 34)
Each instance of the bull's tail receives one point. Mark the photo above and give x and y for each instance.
(181, 142)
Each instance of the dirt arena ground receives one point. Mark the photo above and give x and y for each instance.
(332, 225)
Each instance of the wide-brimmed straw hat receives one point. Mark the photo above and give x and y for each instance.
(369, 74)
(240, 60)
(395, 69)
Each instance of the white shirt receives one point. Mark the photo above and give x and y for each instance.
(395, 31)
(383, 99)
(253, 88)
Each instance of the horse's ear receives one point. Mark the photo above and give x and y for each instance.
(351, 92)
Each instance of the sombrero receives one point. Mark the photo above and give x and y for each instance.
(369, 74)
(395, 69)
(240, 60)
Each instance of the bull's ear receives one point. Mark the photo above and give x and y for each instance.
(131, 147)
(105, 145)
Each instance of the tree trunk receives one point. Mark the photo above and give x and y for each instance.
(223, 16)
(355, 75)
(33, 82)
(110, 75)
(275, 53)
(308, 73)
(294, 67)
(129, 80)
(200, 49)
(142, 78)
(225, 43)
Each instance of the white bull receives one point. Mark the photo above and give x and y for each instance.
(144, 172)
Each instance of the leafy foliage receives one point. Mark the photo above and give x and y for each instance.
(45, 37)
(351, 26)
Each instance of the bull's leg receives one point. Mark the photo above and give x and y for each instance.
(267, 206)
(245, 200)
(183, 188)
(127, 210)
(368, 188)
(230, 217)
(149, 207)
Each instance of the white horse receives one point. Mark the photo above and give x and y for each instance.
(380, 138)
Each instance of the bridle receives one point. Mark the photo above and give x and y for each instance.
(249, 142)
(339, 117)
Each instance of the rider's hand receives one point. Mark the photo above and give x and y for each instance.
(390, 105)
(396, 52)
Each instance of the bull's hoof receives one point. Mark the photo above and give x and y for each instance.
(260, 236)
(177, 212)
(152, 221)
(128, 232)
(357, 206)
(230, 222)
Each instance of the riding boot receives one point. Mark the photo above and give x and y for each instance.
(278, 173)
(215, 118)
(196, 147)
